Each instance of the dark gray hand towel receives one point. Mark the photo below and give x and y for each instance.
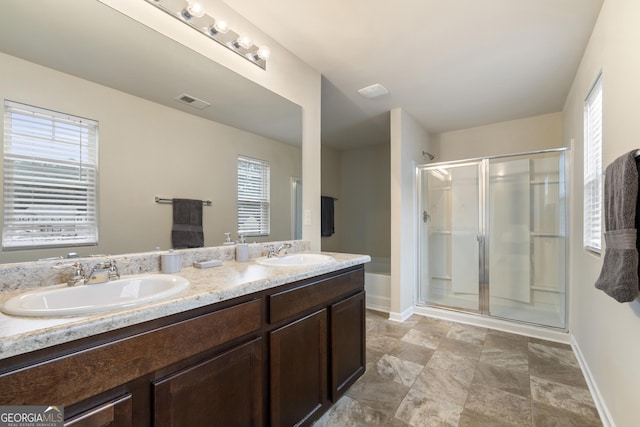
(187, 224)
(326, 216)
(619, 275)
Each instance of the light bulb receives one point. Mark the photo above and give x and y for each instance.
(220, 26)
(193, 10)
(244, 42)
(263, 53)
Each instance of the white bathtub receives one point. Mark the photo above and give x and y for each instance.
(377, 284)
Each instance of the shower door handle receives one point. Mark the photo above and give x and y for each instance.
(482, 259)
(425, 217)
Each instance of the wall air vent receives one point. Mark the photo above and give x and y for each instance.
(192, 101)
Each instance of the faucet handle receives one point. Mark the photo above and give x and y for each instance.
(79, 269)
(114, 274)
(79, 277)
(271, 251)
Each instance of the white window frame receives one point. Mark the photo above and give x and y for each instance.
(50, 181)
(254, 205)
(592, 212)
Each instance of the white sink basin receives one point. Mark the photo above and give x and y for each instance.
(86, 299)
(297, 260)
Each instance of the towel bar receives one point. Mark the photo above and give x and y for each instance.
(170, 201)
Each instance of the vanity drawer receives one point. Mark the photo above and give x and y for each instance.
(289, 302)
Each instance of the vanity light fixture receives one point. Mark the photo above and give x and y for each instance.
(194, 15)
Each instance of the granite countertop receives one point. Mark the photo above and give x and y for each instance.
(20, 335)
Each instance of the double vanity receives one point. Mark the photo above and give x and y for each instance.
(245, 344)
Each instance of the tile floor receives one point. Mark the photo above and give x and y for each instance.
(429, 372)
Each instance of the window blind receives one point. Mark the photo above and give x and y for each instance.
(253, 197)
(592, 235)
(50, 179)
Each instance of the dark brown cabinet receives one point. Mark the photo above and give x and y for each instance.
(117, 413)
(320, 350)
(277, 357)
(347, 347)
(222, 391)
(299, 370)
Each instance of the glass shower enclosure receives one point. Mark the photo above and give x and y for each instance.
(492, 236)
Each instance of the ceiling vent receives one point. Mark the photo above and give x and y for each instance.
(192, 101)
(373, 91)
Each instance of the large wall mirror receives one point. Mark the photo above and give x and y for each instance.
(83, 58)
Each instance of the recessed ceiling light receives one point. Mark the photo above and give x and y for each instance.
(373, 91)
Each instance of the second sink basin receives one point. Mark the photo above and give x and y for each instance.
(297, 260)
(87, 299)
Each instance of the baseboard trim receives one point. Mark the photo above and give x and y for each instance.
(401, 317)
(376, 307)
(603, 410)
(501, 325)
(378, 303)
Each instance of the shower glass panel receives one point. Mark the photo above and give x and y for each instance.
(526, 235)
(450, 222)
(493, 237)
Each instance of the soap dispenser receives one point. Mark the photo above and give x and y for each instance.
(242, 250)
(227, 240)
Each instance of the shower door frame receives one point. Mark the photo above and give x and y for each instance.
(484, 229)
(483, 284)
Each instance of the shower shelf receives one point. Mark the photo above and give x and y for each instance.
(543, 182)
(441, 277)
(546, 289)
(552, 235)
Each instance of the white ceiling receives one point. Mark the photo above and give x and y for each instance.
(452, 64)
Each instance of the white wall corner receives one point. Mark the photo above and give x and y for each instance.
(408, 140)
(401, 317)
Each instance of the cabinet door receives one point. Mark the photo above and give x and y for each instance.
(225, 390)
(299, 370)
(347, 349)
(116, 413)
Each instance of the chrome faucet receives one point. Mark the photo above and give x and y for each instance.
(103, 272)
(275, 253)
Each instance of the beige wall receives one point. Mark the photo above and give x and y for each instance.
(514, 136)
(606, 332)
(360, 180)
(286, 74)
(149, 150)
(331, 186)
(365, 219)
